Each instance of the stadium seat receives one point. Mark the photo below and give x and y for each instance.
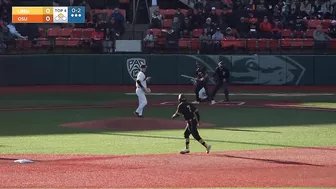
(53, 32)
(333, 44)
(168, 13)
(87, 33)
(22, 43)
(167, 23)
(42, 32)
(309, 33)
(197, 33)
(77, 33)
(155, 31)
(184, 43)
(274, 44)
(66, 32)
(286, 33)
(60, 41)
(218, 12)
(314, 23)
(326, 23)
(42, 42)
(263, 44)
(195, 43)
(72, 42)
(184, 11)
(252, 44)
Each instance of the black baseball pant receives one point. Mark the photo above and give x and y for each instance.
(218, 86)
(191, 129)
(199, 86)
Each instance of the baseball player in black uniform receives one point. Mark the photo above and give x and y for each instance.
(222, 77)
(192, 117)
(201, 81)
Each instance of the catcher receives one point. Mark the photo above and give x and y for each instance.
(192, 117)
(201, 82)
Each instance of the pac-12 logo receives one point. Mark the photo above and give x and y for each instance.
(133, 66)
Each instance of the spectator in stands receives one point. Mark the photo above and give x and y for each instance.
(209, 4)
(298, 28)
(277, 9)
(176, 25)
(187, 27)
(327, 10)
(191, 16)
(209, 27)
(291, 18)
(332, 29)
(214, 17)
(156, 21)
(226, 4)
(114, 28)
(200, 5)
(229, 32)
(87, 8)
(261, 5)
(238, 6)
(277, 28)
(294, 6)
(205, 42)
(317, 10)
(96, 40)
(199, 19)
(305, 8)
(99, 17)
(321, 39)
(266, 28)
(249, 5)
(223, 25)
(242, 28)
(120, 20)
(13, 32)
(172, 38)
(109, 40)
(99, 23)
(226, 17)
(149, 40)
(179, 15)
(216, 40)
(253, 29)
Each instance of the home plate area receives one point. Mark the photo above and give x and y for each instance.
(218, 103)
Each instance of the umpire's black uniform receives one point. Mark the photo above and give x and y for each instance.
(222, 77)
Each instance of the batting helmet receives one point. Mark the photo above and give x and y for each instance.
(181, 98)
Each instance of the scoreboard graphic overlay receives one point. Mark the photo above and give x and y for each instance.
(48, 14)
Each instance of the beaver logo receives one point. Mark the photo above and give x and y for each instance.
(133, 66)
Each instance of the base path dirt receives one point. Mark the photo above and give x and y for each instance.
(304, 167)
(132, 124)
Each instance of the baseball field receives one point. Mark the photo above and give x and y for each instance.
(88, 137)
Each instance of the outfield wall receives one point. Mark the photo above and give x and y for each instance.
(165, 69)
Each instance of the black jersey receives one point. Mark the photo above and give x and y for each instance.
(201, 72)
(188, 110)
(221, 74)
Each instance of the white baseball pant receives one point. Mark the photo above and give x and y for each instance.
(142, 100)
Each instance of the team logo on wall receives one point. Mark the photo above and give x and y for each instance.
(133, 66)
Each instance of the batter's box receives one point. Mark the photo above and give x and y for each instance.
(230, 103)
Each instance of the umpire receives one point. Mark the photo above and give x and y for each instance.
(222, 77)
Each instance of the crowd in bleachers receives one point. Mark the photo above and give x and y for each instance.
(100, 30)
(213, 24)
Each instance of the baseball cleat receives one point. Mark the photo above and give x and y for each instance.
(208, 149)
(213, 102)
(185, 151)
(137, 114)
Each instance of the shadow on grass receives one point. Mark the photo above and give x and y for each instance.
(269, 160)
(222, 141)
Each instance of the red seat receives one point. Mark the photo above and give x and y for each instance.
(326, 23)
(155, 31)
(42, 32)
(195, 43)
(263, 44)
(72, 42)
(333, 44)
(218, 12)
(167, 23)
(168, 13)
(61, 41)
(87, 33)
(314, 23)
(184, 43)
(42, 42)
(54, 32)
(252, 44)
(285, 42)
(307, 42)
(274, 44)
(184, 12)
(66, 32)
(77, 33)
(197, 33)
(309, 33)
(286, 33)
(22, 43)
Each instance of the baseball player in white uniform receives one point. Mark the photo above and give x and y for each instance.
(141, 90)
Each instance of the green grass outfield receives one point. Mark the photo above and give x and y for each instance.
(38, 131)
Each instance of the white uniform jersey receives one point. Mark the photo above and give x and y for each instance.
(142, 78)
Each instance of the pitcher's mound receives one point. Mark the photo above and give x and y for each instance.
(133, 124)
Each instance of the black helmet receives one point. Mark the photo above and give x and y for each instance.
(181, 98)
